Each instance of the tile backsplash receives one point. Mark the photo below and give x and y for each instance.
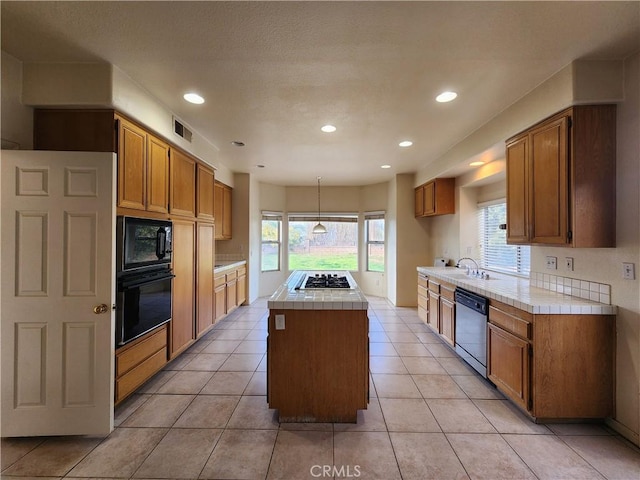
(229, 257)
(597, 292)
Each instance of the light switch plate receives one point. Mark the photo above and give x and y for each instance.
(279, 322)
(629, 271)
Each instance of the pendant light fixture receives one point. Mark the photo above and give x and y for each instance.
(319, 228)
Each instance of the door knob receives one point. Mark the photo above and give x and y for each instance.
(102, 308)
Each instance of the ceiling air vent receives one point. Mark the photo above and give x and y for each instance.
(182, 131)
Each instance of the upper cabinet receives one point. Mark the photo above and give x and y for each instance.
(222, 206)
(561, 180)
(132, 161)
(205, 205)
(143, 169)
(183, 183)
(436, 197)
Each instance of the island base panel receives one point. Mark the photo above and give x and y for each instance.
(318, 365)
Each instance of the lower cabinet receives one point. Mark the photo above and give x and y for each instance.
(552, 366)
(230, 290)
(182, 328)
(508, 365)
(204, 278)
(138, 361)
(433, 315)
(423, 297)
(241, 286)
(447, 319)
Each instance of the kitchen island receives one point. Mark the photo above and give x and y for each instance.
(318, 350)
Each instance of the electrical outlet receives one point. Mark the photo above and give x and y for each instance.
(279, 322)
(629, 271)
(568, 264)
(552, 263)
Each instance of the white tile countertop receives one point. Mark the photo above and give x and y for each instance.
(523, 293)
(287, 297)
(224, 265)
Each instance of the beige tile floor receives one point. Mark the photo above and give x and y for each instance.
(430, 417)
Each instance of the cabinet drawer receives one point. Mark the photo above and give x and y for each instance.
(423, 281)
(423, 302)
(137, 353)
(241, 271)
(422, 292)
(434, 286)
(219, 281)
(447, 293)
(137, 376)
(231, 276)
(511, 324)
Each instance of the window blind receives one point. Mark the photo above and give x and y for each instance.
(495, 254)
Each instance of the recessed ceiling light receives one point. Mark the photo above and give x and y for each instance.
(328, 129)
(476, 164)
(385, 166)
(406, 143)
(446, 97)
(193, 98)
(260, 166)
(236, 143)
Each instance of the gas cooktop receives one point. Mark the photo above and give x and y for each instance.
(323, 281)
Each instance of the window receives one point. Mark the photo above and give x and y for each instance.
(271, 234)
(495, 254)
(374, 234)
(335, 250)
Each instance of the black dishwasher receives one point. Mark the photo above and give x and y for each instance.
(471, 329)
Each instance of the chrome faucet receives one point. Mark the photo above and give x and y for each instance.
(469, 271)
(468, 258)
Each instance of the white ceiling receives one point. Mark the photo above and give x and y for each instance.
(273, 73)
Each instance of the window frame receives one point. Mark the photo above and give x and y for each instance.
(368, 217)
(271, 216)
(522, 253)
(346, 217)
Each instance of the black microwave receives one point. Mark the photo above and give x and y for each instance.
(142, 242)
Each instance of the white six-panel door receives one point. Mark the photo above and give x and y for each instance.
(57, 292)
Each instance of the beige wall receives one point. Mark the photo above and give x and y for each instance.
(357, 200)
(17, 119)
(603, 265)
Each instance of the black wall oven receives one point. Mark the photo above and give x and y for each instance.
(143, 302)
(144, 276)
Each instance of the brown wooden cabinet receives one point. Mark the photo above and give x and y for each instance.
(132, 161)
(318, 365)
(220, 296)
(232, 291)
(205, 205)
(552, 366)
(436, 197)
(157, 198)
(508, 365)
(137, 361)
(182, 324)
(223, 210)
(433, 315)
(423, 297)
(241, 286)
(205, 252)
(447, 314)
(183, 185)
(561, 180)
